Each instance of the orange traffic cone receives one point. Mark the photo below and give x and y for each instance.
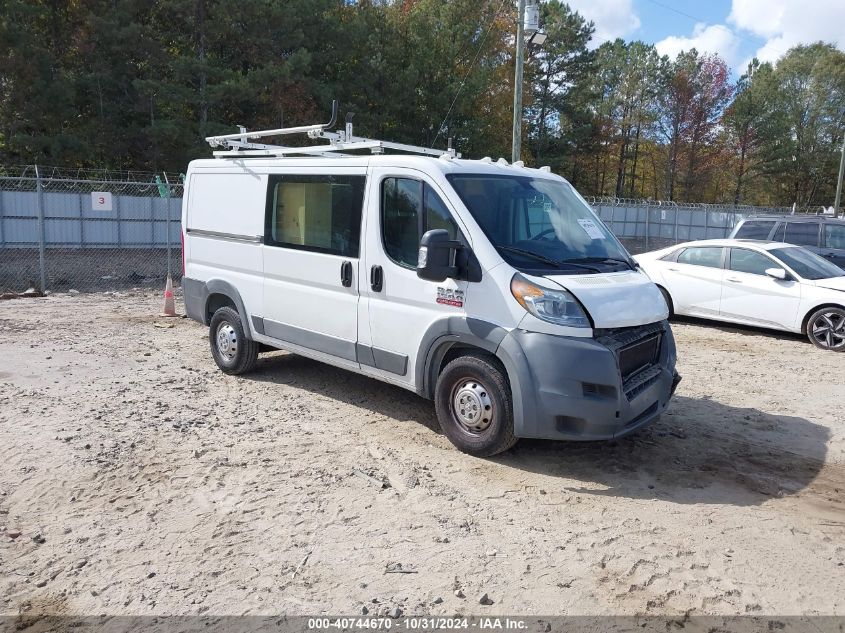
(169, 303)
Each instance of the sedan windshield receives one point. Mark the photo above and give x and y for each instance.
(807, 264)
(538, 223)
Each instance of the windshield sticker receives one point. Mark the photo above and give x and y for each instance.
(449, 297)
(591, 229)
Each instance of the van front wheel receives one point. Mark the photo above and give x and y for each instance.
(233, 352)
(474, 406)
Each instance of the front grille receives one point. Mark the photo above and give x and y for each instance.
(641, 355)
(641, 381)
(637, 351)
(617, 338)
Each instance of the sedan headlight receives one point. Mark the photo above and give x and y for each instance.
(554, 306)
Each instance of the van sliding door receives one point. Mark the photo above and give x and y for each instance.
(311, 261)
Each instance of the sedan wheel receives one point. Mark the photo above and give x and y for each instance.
(826, 329)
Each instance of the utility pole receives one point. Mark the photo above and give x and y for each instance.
(839, 180)
(517, 84)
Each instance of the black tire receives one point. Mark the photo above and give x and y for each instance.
(826, 329)
(480, 380)
(240, 355)
(668, 299)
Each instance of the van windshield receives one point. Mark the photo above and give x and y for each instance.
(540, 224)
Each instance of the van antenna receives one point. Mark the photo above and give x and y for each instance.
(333, 120)
(349, 117)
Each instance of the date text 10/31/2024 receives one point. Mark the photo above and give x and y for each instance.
(420, 623)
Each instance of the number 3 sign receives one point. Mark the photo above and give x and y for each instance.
(101, 200)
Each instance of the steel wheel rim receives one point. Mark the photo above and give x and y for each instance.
(472, 407)
(828, 330)
(227, 341)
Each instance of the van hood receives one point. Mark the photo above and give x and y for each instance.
(614, 300)
(834, 283)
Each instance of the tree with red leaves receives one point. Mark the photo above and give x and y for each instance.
(692, 106)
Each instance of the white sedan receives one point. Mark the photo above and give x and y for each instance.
(767, 284)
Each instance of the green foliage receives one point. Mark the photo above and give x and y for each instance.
(137, 84)
(559, 116)
(630, 80)
(805, 97)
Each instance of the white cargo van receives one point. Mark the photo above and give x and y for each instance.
(490, 288)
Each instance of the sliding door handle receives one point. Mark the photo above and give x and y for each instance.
(376, 278)
(346, 274)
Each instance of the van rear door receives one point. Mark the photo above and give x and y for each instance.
(223, 224)
(311, 249)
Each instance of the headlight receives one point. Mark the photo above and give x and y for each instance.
(554, 306)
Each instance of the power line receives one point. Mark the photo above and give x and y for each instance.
(678, 11)
(472, 64)
(721, 26)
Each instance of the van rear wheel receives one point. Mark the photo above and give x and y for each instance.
(474, 406)
(233, 352)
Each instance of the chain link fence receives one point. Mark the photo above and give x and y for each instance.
(91, 230)
(88, 230)
(646, 225)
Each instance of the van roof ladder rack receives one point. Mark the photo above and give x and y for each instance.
(240, 144)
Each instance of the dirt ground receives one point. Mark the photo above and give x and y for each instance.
(138, 479)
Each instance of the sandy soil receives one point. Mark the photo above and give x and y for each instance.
(137, 479)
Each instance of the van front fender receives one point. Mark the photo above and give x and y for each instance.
(446, 333)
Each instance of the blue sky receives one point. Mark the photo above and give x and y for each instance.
(664, 18)
(736, 29)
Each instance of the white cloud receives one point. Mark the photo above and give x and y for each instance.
(613, 18)
(715, 38)
(786, 23)
(762, 17)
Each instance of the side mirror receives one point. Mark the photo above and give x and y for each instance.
(777, 273)
(436, 261)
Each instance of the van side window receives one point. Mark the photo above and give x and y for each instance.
(437, 216)
(802, 233)
(835, 235)
(315, 213)
(409, 208)
(755, 230)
